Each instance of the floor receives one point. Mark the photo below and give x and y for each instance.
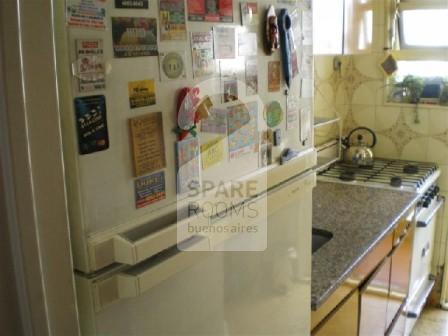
(433, 322)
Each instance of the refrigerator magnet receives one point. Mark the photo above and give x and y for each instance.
(91, 124)
(273, 114)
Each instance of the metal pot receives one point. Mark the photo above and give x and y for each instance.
(360, 153)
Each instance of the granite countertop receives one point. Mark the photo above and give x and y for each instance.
(359, 217)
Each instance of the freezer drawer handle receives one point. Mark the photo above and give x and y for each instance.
(137, 280)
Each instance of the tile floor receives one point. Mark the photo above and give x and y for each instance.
(433, 322)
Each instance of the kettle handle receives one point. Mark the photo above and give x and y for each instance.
(365, 129)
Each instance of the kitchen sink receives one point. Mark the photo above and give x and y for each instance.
(320, 238)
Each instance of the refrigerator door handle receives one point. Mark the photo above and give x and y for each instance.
(124, 250)
(137, 280)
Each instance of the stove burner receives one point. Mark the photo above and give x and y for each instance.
(410, 169)
(347, 176)
(395, 181)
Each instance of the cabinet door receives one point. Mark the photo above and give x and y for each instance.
(328, 27)
(400, 275)
(344, 320)
(358, 26)
(374, 297)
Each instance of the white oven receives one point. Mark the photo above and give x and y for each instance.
(422, 280)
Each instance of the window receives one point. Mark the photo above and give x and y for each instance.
(423, 24)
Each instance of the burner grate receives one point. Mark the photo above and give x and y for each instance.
(394, 173)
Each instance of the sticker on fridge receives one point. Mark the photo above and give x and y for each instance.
(251, 77)
(149, 189)
(212, 152)
(230, 90)
(132, 4)
(172, 65)
(134, 37)
(148, 147)
(86, 13)
(224, 42)
(91, 124)
(202, 54)
(249, 13)
(292, 112)
(247, 44)
(90, 68)
(242, 129)
(172, 20)
(216, 122)
(210, 10)
(274, 76)
(142, 93)
(188, 169)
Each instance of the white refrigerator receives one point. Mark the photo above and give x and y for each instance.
(147, 262)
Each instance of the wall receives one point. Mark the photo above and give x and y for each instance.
(357, 95)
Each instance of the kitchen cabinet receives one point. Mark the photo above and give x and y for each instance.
(342, 26)
(373, 301)
(400, 274)
(343, 320)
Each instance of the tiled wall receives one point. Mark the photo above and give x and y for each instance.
(356, 94)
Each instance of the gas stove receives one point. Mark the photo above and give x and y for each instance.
(411, 176)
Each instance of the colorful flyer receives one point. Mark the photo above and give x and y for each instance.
(149, 189)
(91, 122)
(172, 65)
(229, 89)
(224, 42)
(172, 20)
(249, 13)
(86, 13)
(212, 152)
(132, 4)
(216, 122)
(210, 10)
(247, 44)
(292, 112)
(148, 147)
(188, 169)
(242, 129)
(202, 54)
(90, 68)
(134, 37)
(142, 93)
(274, 76)
(251, 77)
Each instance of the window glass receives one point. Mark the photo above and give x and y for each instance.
(424, 69)
(425, 27)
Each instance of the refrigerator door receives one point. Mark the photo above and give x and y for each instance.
(102, 186)
(219, 292)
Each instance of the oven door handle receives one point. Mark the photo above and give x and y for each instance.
(424, 219)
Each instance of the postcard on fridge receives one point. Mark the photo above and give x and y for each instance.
(134, 37)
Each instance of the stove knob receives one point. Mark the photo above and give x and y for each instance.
(426, 202)
(436, 189)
